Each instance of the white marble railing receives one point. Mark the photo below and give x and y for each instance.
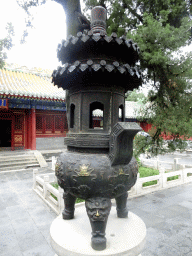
(162, 182)
(42, 186)
(160, 165)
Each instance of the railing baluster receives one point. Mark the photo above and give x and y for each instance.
(136, 190)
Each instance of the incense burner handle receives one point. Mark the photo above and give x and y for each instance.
(121, 142)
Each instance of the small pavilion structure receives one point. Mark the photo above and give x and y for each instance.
(32, 110)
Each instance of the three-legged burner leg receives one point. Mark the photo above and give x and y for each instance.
(121, 205)
(69, 202)
(98, 210)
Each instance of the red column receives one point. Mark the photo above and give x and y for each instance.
(12, 132)
(33, 129)
(26, 130)
(28, 121)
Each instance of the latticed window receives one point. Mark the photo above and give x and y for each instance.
(49, 122)
(39, 122)
(18, 122)
(59, 122)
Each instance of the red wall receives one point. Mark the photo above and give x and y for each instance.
(25, 127)
(145, 126)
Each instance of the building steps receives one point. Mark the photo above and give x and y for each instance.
(21, 159)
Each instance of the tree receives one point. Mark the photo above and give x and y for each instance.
(135, 95)
(160, 29)
(6, 44)
(75, 20)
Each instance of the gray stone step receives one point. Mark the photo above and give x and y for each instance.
(17, 158)
(16, 152)
(19, 167)
(18, 162)
(14, 160)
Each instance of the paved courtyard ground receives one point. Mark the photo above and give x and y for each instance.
(25, 219)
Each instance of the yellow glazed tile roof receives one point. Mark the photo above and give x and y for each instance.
(15, 83)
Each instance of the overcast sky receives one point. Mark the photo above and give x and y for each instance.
(41, 43)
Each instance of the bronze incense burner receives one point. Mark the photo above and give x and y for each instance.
(98, 165)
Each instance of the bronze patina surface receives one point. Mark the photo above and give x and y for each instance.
(97, 71)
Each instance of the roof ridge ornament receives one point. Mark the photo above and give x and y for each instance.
(98, 20)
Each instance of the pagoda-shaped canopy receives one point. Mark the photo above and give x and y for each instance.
(97, 71)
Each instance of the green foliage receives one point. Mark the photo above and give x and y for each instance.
(149, 183)
(146, 172)
(28, 6)
(136, 96)
(160, 29)
(138, 162)
(176, 177)
(6, 44)
(142, 145)
(55, 185)
(79, 200)
(139, 146)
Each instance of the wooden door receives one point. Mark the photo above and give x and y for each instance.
(19, 131)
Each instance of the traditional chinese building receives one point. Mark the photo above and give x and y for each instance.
(32, 110)
(132, 110)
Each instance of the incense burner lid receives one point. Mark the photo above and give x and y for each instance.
(86, 45)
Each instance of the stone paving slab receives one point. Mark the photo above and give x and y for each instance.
(25, 219)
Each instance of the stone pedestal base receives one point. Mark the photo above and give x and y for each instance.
(125, 236)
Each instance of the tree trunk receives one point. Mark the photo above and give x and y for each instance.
(71, 8)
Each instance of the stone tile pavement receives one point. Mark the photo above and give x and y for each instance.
(25, 219)
(168, 218)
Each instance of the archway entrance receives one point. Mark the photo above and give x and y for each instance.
(5, 134)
